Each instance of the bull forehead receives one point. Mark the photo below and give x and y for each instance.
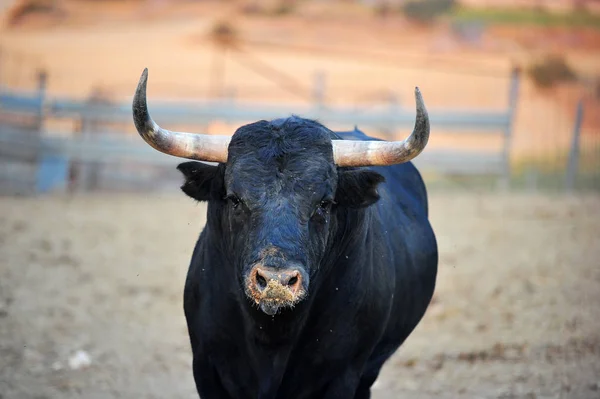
(281, 137)
(301, 178)
(293, 155)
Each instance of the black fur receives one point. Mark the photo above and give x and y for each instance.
(358, 188)
(202, 182)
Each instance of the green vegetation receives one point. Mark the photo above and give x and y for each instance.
(276, 9)
(579, 18)
(426, 11)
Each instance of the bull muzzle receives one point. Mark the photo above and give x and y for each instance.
(275, 288)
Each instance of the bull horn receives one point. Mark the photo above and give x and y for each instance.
(201, 147)
(380, 153)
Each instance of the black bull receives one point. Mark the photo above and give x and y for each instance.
(368, 254)
(308, 275)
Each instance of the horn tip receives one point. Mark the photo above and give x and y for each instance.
(419, 98)
(140, 110)
(140, 93)
(144, 77)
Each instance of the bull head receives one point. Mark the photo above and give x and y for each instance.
(212, 148)
(278, 195)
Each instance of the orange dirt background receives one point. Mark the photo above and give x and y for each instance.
(106, 44)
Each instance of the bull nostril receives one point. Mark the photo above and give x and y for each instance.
(261, 282)
(261, 279)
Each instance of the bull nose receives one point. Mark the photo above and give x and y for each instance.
(289, 278)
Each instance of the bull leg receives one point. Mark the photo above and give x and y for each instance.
(208, 382)
(364, 388)
(369, 376)
(344, 386)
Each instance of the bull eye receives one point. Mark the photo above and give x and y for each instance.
(326, 204)
(234, 200)
(323, 208)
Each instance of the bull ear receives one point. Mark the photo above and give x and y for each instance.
(202, 182)
(357, 188)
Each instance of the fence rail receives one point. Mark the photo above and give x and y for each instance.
(54, 156)
(229, 111)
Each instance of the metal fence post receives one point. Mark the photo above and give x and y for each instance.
(88, 176)
(319, 92)
(391, 129)
(573, 162)
(1, 66)
(2, 69)
(513, 98)
(52, 168)
(42, 86)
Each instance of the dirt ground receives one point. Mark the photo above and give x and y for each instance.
(515, 314)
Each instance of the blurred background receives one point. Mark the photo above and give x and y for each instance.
(95, 235)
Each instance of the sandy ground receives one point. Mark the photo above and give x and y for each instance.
(515, 312)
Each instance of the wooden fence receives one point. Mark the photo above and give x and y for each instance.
(34, 160)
